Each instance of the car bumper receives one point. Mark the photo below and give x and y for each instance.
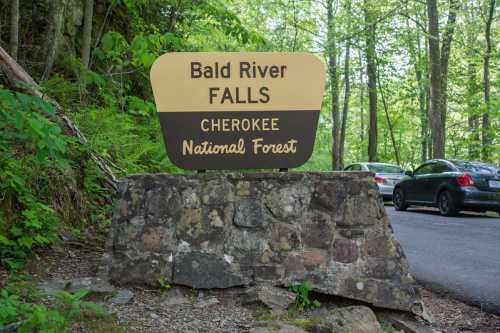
(481, 200)
(386, 190)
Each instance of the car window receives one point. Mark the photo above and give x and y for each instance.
(477, 167)
(383, 168)
(356, 167)
(349, 168)
(440, 167)
(424, 169)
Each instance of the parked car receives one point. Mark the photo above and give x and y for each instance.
(452, 186)
(386, 175)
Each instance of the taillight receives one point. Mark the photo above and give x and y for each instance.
(380, 180)
(465, 180)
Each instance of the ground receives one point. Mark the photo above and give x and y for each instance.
(150, 311)
(459, 255)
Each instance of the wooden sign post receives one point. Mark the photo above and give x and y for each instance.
(238, 110)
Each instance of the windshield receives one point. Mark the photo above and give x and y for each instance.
(384, 168)
(477, 167)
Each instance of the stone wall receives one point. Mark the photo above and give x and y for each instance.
(225, 230)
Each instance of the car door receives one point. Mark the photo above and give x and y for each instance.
(417, 189)
(440, 173)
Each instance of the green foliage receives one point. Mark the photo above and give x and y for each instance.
(30, 145)
(164, 285)
(302, 300)
(52, 316)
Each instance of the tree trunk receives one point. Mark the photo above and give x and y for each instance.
(334, 84)
(435, 71)
(347, 86)
(422, 103)
(389, 123)
(87, 32)
(54, 35)
(474, 150)
(345, 109)
(14, 29)
(416, 59)
(486, 138)
(445, 56)
(371, 69)
(361, 107)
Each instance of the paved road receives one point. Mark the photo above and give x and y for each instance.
(459, 255)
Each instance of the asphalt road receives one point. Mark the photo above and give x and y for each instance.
(458, 255)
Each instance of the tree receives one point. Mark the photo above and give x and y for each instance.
(486, 138)
(419, 66)
(444, 61)
(56, 18)
(438, 59)
(87, 32)
(471, 32)
(371, 70)
(361, 105)
(14, 28)
(347, 87)
(334, 85)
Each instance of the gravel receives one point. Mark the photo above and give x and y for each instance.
(186, 310)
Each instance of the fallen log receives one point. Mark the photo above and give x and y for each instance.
(19, 79)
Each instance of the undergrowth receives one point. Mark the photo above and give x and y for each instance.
(24, 309)
(47, 184)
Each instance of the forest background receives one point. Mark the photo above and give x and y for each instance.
(406, 81)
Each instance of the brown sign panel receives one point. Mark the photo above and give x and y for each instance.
(238, 110)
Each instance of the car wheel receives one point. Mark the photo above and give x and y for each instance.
(446, 204)
(398, 198)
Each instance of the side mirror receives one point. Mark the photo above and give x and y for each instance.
(409, 173)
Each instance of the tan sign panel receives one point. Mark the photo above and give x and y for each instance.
(238, 110)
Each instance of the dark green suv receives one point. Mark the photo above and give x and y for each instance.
(450, 185)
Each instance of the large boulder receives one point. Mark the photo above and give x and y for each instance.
(219, 230)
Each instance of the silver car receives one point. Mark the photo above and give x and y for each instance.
(386, 175)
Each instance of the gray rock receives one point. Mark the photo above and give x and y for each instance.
(123, 296)
(206, 270)
(277, 326)
(249, 213)
(219, 230)
(203, 303)
(174, 297)
(93, 284)
(359, 319)
(406, 323)
(272, 297)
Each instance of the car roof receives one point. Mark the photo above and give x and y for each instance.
(376, 163)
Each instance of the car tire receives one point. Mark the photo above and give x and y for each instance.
(446, 205)
(399, 200)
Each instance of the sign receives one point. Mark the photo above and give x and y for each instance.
(238, 110)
